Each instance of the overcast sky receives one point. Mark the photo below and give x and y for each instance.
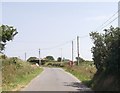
(51, 26)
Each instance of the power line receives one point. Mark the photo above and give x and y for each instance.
(53, 47)
(67, 42)
(101, 26)
(110, 22)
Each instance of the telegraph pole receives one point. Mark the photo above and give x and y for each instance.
(72, 51)
(39, 58)
(61, 55)
(25, 56)
(78, 48)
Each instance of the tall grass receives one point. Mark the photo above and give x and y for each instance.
(0, 75)
(16, 73)
(84, 72)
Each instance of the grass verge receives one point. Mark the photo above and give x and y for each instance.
(23, 81)
(16, 74)
(84, 72)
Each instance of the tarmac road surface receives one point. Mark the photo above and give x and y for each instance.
(55, 79)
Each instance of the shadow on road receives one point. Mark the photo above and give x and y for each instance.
(79, 86)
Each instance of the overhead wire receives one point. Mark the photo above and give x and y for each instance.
(65, 43)
(110, 22)
(56, 46)
(102, 26)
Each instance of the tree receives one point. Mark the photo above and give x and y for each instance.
(3, 56)
(106, 52)
(32, 59)
(99, 50)
(7, 33)
(80, 59)
(59, 59)
(112, 41)
(49, 58)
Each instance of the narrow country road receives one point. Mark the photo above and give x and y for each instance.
(55, 79)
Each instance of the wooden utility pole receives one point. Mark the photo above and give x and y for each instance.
(39, 58)
(25, 56)
(72, 51)
(78, 49)
(61, 55)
